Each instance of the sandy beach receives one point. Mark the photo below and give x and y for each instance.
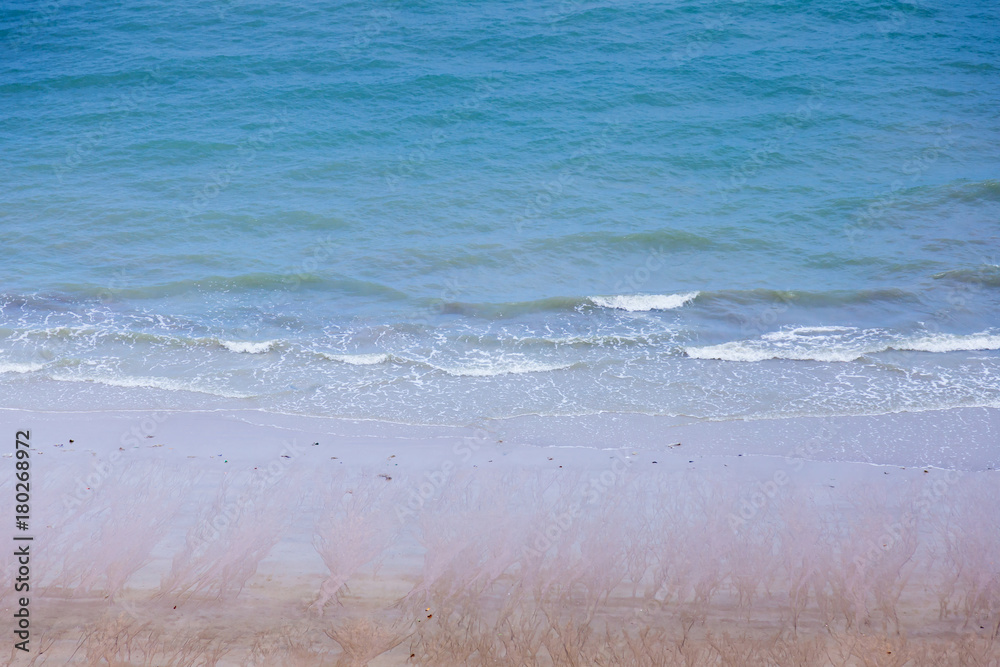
(238, 538)
(439, 334)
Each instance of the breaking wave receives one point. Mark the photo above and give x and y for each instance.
(248, 347)
(370, 359)
(839, 344)
(643, 302)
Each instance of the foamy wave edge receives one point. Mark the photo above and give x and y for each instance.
(164, 384)
(248, 347)
(500, 369)
(752, 351)
(370, 359)
(952, 343)
(14, 367)
(643, 302)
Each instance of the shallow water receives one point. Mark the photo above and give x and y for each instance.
(435, 214)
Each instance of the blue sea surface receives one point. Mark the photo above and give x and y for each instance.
(441, 212)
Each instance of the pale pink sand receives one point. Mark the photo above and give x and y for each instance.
(865, 540)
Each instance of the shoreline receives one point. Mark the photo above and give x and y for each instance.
(348, 532)
(954, 438)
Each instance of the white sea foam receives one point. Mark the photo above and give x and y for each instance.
(798, 332)
(167, 384)
(501, 367)
(839, 344)
(248, 347)
(643, 302)
(754, 351)
(15, 367)
(952, 343)
(358, 359)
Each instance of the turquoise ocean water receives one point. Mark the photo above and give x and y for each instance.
(441, 212)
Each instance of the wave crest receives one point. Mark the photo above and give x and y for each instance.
(953, 343)
(15, 367)
(839, 344)
(166, 384)
(370, 359)
(500, 367)
(248, 347)
(643, 302)
(987, 275)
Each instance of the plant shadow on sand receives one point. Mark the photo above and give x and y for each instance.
(525, 566)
